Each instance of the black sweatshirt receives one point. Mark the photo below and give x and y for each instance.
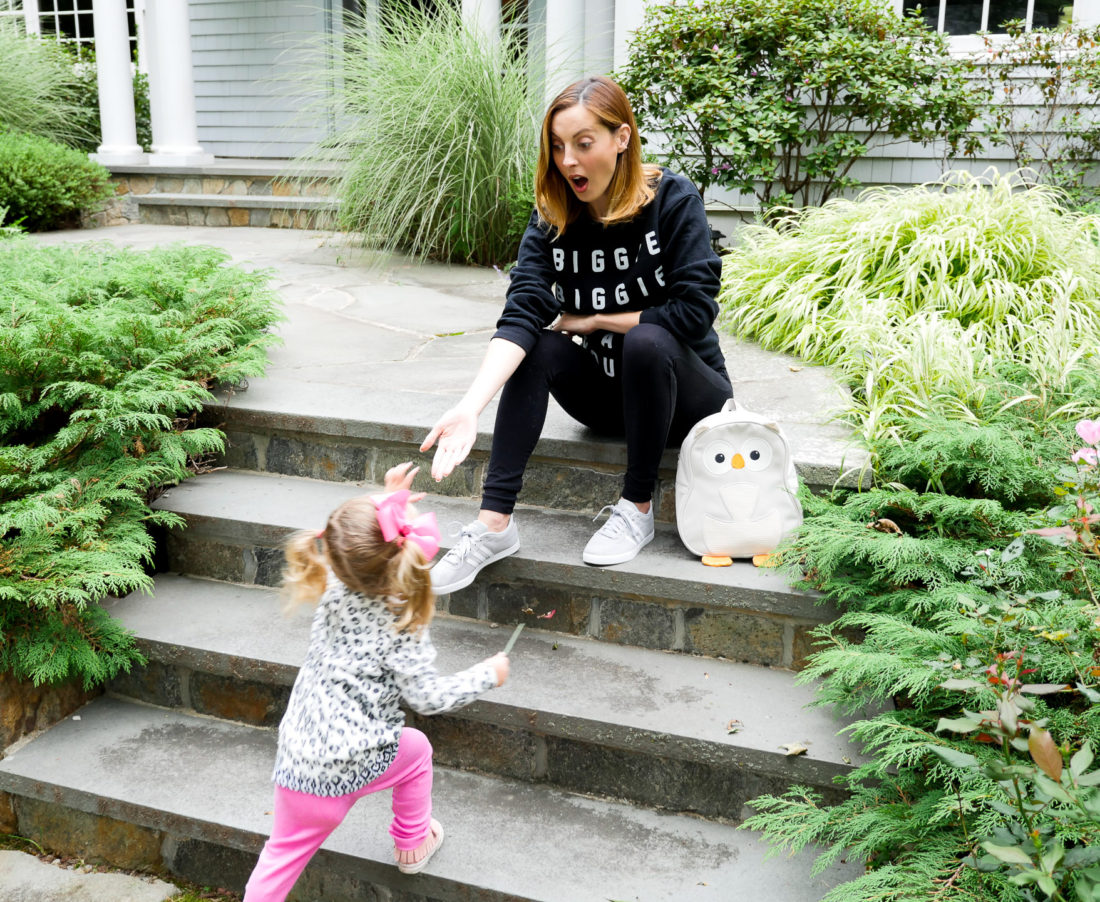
(660, 263)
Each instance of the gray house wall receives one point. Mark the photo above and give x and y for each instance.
(244, 54)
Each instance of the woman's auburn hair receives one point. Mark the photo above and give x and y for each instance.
(351, 545)
(633, 183)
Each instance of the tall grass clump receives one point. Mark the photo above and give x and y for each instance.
(39, 89)
(435, 136)
(106, 356)
(917, 295)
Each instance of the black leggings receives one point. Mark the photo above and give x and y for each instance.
(664, 390)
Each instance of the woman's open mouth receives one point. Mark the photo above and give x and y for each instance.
(579, 183)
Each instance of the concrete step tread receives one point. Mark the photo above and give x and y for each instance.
(251, 201)
(239, 503)
(405, 412)
(209, 779)
(633, 698)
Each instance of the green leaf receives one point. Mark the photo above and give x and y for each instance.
(953, 756)
(1008, 854)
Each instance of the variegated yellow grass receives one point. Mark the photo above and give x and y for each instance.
(916, 295)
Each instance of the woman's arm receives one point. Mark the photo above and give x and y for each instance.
(456, 430)
(608, 322)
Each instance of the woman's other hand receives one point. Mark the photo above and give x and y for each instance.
(576, 325)
(455, 431)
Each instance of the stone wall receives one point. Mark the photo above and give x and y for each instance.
(26, 708)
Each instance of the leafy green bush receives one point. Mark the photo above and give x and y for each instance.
(917, 295)
(780, 97)
(39, 89)
(105, 356)
(46, 185)
(981, 624)
(1047, 86)
(434, 133)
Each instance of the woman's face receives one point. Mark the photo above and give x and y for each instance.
(586, 152)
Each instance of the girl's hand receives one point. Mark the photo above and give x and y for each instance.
(401, 477)
(576, 325)
(456, 431)
(501, 665)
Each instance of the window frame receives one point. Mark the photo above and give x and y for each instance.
(970, 43)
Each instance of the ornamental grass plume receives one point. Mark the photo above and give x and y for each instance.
(916, 295)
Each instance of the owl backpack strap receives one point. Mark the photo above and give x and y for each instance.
(736, 486)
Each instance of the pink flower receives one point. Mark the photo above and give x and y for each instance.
(1084, 456)
(548, 614)
(715, 48)
(1089, 430)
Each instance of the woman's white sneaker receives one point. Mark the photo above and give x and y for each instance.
(476, 548)
(626, 532)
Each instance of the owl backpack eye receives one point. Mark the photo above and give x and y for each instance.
(758, 456)
(717, 457)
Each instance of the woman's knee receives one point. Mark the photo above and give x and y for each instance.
(649, 342)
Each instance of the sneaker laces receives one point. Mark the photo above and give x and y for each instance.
(465, 541)
(617, 523)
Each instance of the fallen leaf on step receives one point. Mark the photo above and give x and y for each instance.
(706, 676)
(795, 369)
(794, 748)
(734, 726)
(528, 610)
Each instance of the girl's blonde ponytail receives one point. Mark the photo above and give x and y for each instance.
(306, 572)
(410, 594)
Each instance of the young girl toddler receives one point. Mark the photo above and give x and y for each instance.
(343, 734)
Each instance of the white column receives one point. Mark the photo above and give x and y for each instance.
(564, 44)
(483, 16)
(599, 37)
(172, 85)
(628, 18)
(116, 86)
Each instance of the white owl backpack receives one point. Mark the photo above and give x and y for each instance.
(736, 486)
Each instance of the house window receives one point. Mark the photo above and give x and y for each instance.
(962, 17)
(12, 11)
(70, 21)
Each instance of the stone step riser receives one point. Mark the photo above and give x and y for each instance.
(230, 185)
(559, 484)
(518, 591)
(655, 770)
(120, 836)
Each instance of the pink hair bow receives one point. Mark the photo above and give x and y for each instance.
(392, 513)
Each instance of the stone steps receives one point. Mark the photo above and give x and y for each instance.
(663, 599)
(226, 192)
(352, 433)
(166, 790)
(581, 715)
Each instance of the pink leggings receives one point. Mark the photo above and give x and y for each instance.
(304, 821)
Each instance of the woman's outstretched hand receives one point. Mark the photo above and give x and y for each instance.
(455, 432)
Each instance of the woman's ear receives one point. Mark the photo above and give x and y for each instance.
(622, 137)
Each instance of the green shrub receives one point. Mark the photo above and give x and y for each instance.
(980, 623)
(105, 357)
(779, 98)
(917, 295)
(434, 134)
(46, 185)
(39, 89)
